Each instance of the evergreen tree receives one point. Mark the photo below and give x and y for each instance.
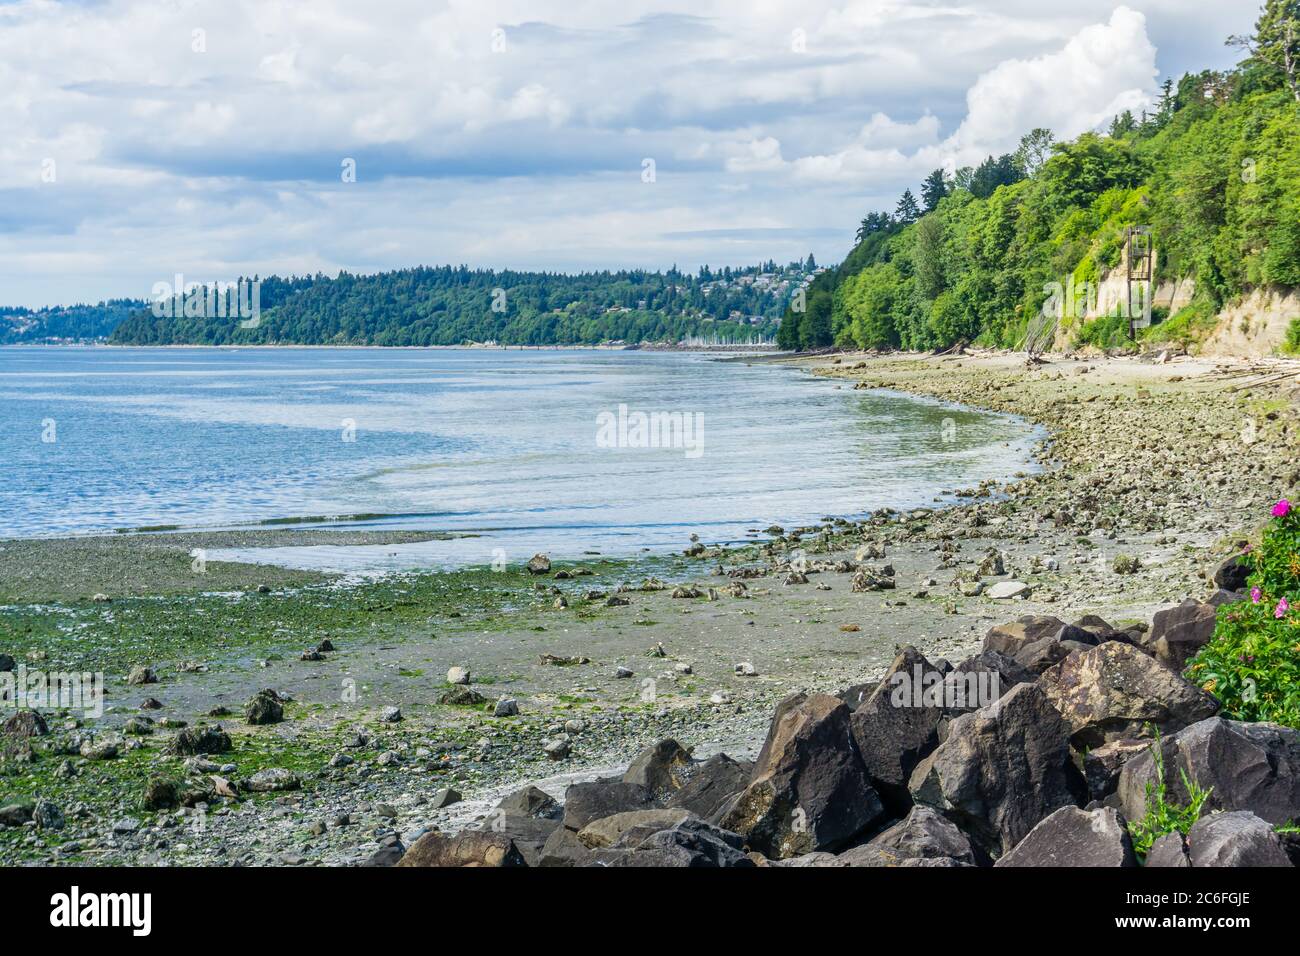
(907, 210)
(933, 189)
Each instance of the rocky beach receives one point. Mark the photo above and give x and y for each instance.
(721, 706)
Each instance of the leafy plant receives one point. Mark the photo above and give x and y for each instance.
(1252, 664)
(1162, 816)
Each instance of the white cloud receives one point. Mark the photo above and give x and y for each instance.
(225, 161)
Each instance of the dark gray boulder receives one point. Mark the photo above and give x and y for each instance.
(926, 834)
(1233, 574)
(585, 802)
(1237, 838)
(528, 833)
(531, 802)
(1036, 642)
(1001, 769)
(1245, 766)
(1178, 633)
(662, 768)
(808, 790)
(690, 844)
(264, 707)
(1074, 837)
(972, 681)
(563, 848)
(712, 784)
(1114, 691)
(899, 724)
(1102, 765)
(1169, 851)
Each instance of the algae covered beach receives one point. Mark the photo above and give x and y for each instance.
(1151, 473)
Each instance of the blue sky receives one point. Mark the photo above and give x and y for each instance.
(145, 139)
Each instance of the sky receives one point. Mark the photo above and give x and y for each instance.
(141, 139)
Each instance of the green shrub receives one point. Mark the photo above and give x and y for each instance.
(1163, 817)
(1292, 344)
(1252, 665)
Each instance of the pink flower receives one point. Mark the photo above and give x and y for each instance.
(1256, 595)
(1282, 509)
(1282, 607)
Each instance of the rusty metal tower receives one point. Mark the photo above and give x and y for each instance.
(1138, 262)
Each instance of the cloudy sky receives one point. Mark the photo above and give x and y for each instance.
(214, 138)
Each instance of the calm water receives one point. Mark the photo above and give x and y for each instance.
(502, 443)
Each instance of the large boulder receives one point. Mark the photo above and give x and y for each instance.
(528, 833)
(977, 681)
(1002, 769)
(690, 843)
(1245, 766)
(713, 784)
(1233, 574)
(1036, 642)
(898, 724)
(1238, 838)
(1114, 691)
(531, 802)
(1103, 765)
(924, 834)
(563, 849)
(468, 848)
(809, 790)
(1177, 633)
(1074, 837)
(196, 741)
(662, 769)
(264, 707)
(585, 802)
(633, 827)
(24, 725)
(1168, 851)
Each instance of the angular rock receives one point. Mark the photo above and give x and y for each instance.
(160, 793)
(712, 784)
(899, 724)
(692, 843)
(1102, 765)
(1236, 838)
(24, 725)
(1169, 850)
(202, 739)
(926, 834)
(529, 834)
(1232, 574)
(1114, 691)
(264, 707)
(141, 675)
(1073, 837)
(1002, 769)
(808, 790)
(531, 802)
(1178, 633)
(993, 675)
(539, 564)
(473, 848)
(1245, 766)
(562, 848)
(633, 826)
(457, 675)
(585, 802)
(1036, 641)
(662, 768)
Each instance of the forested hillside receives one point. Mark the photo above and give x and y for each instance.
(453, 306)
(1213, 170)
(73, 323)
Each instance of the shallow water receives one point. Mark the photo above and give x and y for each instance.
(507, 445)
